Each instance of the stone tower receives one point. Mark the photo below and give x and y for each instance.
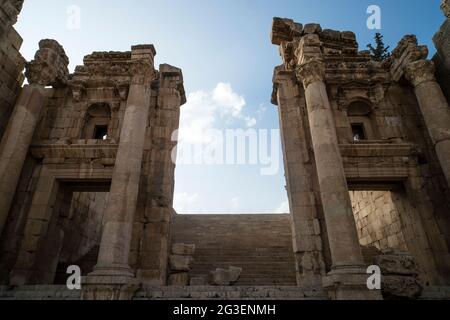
(350, 124)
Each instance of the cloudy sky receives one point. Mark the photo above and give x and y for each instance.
(224, 49)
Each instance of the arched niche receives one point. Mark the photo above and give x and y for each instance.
(360, 116)
(97, 122)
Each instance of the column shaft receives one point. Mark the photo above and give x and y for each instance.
(341, 227)
(16, 142)
(436, 113)
(434, 108)
(117, 230)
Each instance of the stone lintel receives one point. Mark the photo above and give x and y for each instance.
(284, 30)
(407, 51)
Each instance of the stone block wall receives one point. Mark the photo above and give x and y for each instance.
(259, 244)
(82, 227)
(11, 61)
(378, 219)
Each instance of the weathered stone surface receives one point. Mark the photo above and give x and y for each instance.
(179, 279)
(183, 249)
(395, 262)
(49, 67)
(400, 287)
(225, 277)
(180, 263)
(198, 281)
(445, 6)
(311, 28)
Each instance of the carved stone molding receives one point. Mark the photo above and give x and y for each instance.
(141, 72)
(420, 71)
(445, 6)
(78, 90)
(311, 71)
(49, 67)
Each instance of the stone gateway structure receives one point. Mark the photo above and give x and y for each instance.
(87, 176)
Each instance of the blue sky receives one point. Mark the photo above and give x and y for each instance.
(227, 59)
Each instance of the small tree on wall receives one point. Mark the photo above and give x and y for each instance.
(380, 52)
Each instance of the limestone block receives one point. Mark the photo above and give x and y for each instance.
(400, 287)
(397, 263)
(179, 279)
(224, 277)
(312, 28)
(183, 249)
(180, 263)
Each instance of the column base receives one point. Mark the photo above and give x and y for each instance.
(113, 270)
(108, 287)
(349, 283)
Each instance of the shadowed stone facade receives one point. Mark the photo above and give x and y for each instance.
(87, 172)
(11, 61)
(97, 172)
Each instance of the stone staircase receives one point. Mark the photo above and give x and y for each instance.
(260, 244)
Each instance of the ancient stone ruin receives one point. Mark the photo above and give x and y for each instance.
(87, 176)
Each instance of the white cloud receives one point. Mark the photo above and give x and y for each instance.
(203, 108)
(185, 202)
(283, 208)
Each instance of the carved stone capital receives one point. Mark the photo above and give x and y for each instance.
(445, 6)
(420, 71)
(141, 72)
(49, 67)
(311, 71)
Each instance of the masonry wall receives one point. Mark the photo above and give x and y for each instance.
(378, 219)
(82, 227)
(11, 61)
(260, 244)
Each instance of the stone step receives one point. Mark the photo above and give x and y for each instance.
(228, 293)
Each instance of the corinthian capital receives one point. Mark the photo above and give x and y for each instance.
(445, 6)
(142, 72)
(49, 67)
(311, 71)
(420, 71)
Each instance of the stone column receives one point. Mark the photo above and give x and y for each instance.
(347, 280)
(434, 108)
(306, 227)
(158, 210)
(113, 259)
(48, 68)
